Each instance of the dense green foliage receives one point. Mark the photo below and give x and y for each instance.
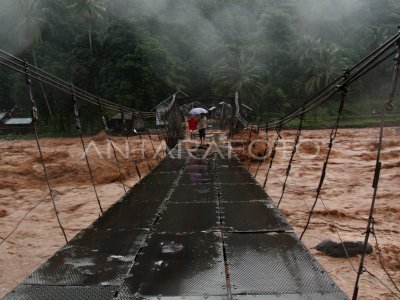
(138, 52)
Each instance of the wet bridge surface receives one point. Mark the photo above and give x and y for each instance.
(191, 229)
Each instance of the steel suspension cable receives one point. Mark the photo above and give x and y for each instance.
(152, 144)
(158, 132)
(248, 142)
(79, 129)
(103, 118)
(297, 188)
(129, 145)
(17, 64)
(35, 118)
(265, 150)
(273, 153)
(350, 75)
(379, 250)
(378, 166)
(330, 145)
(289, 167)
(141, 140)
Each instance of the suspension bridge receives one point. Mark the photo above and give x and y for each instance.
(198, 226)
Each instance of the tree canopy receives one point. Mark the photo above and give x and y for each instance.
(275, 53)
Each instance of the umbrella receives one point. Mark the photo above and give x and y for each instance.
(198, 111)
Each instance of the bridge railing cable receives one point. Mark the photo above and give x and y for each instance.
(40, 75)
(349, 76)
(106, 129)
(79, 129)
(265, 150)
(135, 118)
(131, 154)
(325, 165)
(31, 72)
(338, 86)
(273, 154)
(35, 118)
(388, 106)
(294, 150)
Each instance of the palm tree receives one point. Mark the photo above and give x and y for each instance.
(375, 36)
(322, 65)
(236, 72)
(110, 7)
(31, 33)
(325, 69)
(89, 11)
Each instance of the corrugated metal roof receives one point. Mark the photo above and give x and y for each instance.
(2, 115)
(18, 121)
(168, 100)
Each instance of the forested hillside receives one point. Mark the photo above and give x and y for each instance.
(138, 52)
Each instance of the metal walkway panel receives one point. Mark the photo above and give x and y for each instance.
(178, 153)
(163, 241)
(196, 178)
(196, 161)
(169, 165)
(242, 192)
(82, 266)
(148, 192)
(227, 163)
(181, 218)
(127, 296)
(193, 193)
(128, 215)
(275, 264)
(253, 216)
(178, 265)
(114, 241)
(230, 169)
(43, 292)
(197, 169)
(159, 179)
(221, 169)
(236, 177)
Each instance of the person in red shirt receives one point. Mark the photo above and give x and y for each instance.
(193, 126)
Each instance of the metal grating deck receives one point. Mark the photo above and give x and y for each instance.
(191, 229)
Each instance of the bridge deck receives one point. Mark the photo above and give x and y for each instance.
(191, 229)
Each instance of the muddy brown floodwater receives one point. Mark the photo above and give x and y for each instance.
(346, 196)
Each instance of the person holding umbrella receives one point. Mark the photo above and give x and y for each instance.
(202, 129)
(202, 124)
(192, 122)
